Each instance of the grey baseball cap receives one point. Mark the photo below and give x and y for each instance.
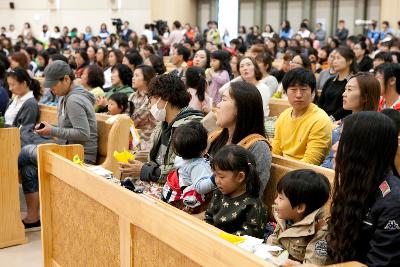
(54, 72)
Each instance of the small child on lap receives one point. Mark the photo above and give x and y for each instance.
(187, 186)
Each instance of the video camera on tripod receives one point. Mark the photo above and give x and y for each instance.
(117, 22)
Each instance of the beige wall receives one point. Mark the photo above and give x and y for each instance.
(390, 11)
(171, 10)
(75, 13)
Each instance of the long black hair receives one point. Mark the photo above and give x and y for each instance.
(365, 157)
(21, 75)
(250, 115)
(196, 79)
(236, 159)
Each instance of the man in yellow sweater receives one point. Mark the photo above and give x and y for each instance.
(304, 131)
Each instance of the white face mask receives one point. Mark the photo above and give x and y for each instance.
(159, 114)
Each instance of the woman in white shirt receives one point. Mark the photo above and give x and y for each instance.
(251, 73)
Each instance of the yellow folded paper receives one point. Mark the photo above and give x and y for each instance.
(77, 160)
(234, 239)
(123, 157)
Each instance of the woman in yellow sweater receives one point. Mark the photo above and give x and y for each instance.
(304, 131)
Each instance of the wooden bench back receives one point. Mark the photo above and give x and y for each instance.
(111, 137)
(277, 106)
(280, 166)
(12, 231)
(88, 221)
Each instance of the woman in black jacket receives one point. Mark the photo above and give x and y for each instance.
(363, 60)
(365, 212)
(331, 100)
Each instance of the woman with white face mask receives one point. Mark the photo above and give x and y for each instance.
(169, 101)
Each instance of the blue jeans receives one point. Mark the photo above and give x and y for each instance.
(27, 165)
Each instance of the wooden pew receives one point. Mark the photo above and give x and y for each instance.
(279, 167)
(88, 221)
(12, 231)
(277, 106)
(110, 137)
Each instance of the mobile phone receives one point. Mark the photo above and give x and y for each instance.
(41, 126)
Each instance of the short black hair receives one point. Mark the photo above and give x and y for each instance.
(394, 115)
(385, 56)
(299, 76)
(134, 58)
(158, 64)
(124, 72)
(59, 57)
(183, 51)
(169, 88)
(305, 186)
(177, 24)
(190, 140)
(95, 77)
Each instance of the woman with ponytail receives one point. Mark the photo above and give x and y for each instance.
(23, 110)
(365, 214)
(196, 85)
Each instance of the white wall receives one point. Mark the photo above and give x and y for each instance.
(246, 11)
(346, 12)
(373, 9)
(204, 14)
(322, 13)
(75, 13)
(295, 14)
(272, 11)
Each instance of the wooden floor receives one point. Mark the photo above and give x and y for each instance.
(29, 254)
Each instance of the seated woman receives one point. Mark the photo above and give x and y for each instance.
(365, 210)
(169, 106)
(113, 57)
(361, 94)
(344, 63)
(388, 75)
(251, 73)
(240, 115)
(264, 62)
(23, 110)
(141, 116)
(82, 61)
(121, 80)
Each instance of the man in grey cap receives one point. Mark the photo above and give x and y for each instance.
(76, 125)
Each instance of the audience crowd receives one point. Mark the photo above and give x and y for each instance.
(200, 102)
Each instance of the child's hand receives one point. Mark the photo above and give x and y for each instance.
(101, 101)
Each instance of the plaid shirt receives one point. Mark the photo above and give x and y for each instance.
(142, 118)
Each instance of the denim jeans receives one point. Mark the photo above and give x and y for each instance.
(27, 165)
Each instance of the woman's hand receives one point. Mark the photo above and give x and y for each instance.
(46, 130)
(132, 168)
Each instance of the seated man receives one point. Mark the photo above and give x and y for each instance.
(302, 132)
(76, 125)
(179, 58)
